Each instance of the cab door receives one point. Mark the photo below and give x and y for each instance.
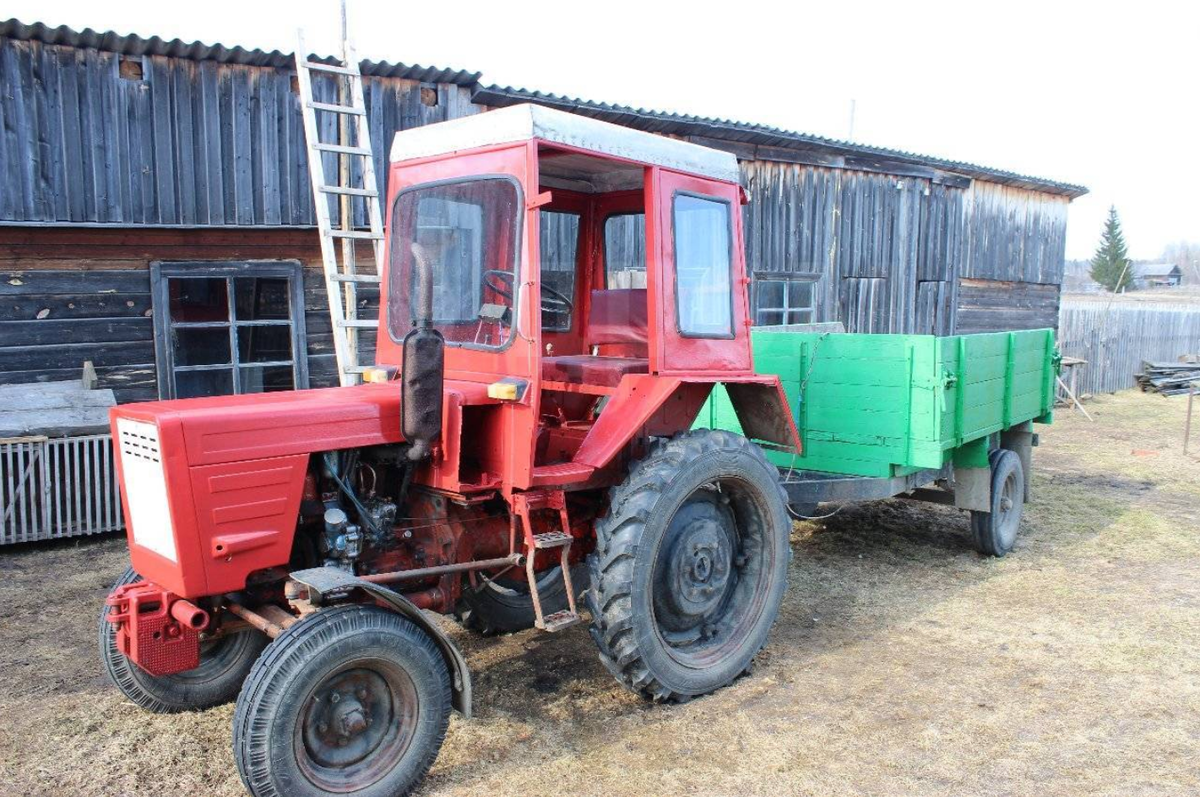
(700, 282)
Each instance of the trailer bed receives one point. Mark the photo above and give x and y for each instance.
(891, 406)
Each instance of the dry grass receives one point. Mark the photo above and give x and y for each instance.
(903, 663)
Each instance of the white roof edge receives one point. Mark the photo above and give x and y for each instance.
(524, 122)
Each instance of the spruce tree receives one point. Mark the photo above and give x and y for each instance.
(1110, 265)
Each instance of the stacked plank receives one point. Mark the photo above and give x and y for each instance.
(1169, 379)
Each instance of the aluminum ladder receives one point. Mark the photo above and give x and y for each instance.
(341, 274)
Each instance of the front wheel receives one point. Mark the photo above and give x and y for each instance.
(690, 565)
(350, 700)
(224, 664)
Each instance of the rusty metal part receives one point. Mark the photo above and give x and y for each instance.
(189, 614)
(428, 599)
(441, 570)
(268, 619)
(278, 615)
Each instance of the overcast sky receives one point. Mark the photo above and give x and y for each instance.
(1078, 92)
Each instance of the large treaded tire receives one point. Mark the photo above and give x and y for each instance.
(224, 665)
(623, 594)
(275, 710)
(995, 533)
(502, 610)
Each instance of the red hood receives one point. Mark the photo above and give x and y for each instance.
(256, 426)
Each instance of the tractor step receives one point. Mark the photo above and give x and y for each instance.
(559, 621)
(552, 539)
(524, 504)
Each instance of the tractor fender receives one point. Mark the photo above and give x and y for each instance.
(762, 410)
(667, 405)
(326, 582)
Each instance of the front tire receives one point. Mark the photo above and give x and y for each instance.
(224, 664)
(351, 700)
(690, 566)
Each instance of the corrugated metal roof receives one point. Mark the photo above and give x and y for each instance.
(132, 44)
(851, 154)
(762, 135)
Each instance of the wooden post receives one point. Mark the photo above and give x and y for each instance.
(1187, 424)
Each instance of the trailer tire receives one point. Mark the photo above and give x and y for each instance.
(223, 668)
(690, 565)
(498, 608)
(351, 699)
(995, 533)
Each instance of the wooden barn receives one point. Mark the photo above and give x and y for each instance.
(156, 217)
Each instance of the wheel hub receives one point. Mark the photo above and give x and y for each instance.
(341, 727)
(696, 566)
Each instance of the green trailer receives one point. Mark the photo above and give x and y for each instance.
(946, 419)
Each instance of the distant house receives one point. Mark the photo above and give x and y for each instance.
(1156, 275)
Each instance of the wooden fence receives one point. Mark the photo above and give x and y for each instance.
(1116, 340)
(57, 487)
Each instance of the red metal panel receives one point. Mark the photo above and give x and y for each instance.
(237, 428)
(246, 516)
(680, 354)
(644, 402)
(635, 401)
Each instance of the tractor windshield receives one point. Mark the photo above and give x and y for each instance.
(462, 236)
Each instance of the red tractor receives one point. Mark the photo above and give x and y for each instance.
(560, 296)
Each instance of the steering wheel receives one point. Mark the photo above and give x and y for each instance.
(552, 301)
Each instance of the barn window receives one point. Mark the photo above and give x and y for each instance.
(130, 67)
(780, 299)
(224, 328)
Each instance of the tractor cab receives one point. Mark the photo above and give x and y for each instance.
(570, 265)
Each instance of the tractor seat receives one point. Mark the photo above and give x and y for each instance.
(585, 369)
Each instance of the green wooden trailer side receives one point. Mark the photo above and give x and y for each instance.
(890, 405)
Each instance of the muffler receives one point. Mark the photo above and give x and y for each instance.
(423, 371)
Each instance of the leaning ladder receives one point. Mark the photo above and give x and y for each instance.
(341, 275)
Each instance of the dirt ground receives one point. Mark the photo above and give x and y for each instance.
(903, 663)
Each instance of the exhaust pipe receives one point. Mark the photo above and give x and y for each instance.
(189, 614)
(422, 372)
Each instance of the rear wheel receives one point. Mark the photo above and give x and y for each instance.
(995, 532)
(690, 566)
(351, 700)
(224, 664)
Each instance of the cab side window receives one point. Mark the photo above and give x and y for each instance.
(559, 244)
(625, 251)
(703, 266)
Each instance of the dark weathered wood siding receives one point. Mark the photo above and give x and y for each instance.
(906, 253)
(192, 143)
(103, 172)
(67, 296)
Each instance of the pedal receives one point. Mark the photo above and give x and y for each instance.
(559, 621)
(552, 539)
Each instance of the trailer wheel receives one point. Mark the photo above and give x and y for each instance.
(503, 605)
(224, 664)
(351, 699)
(995, 532)
(690, 565)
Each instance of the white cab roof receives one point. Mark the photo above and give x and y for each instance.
(525, 122)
